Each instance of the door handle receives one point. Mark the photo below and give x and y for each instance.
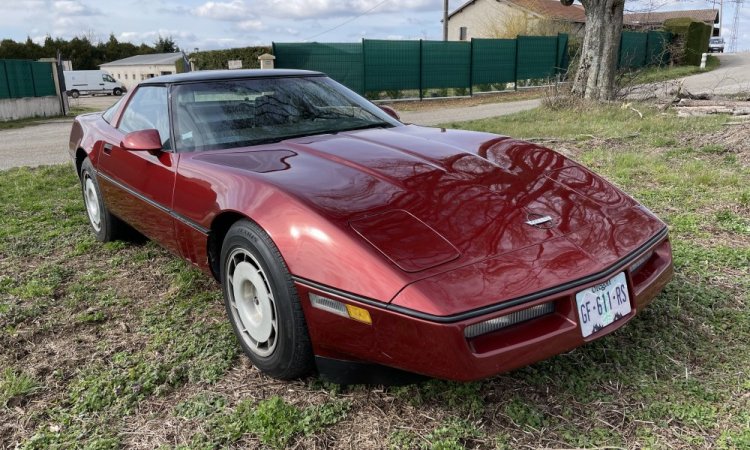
(108, 148)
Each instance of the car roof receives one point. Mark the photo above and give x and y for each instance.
(213, 75)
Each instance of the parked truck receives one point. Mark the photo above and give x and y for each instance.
(82, 82)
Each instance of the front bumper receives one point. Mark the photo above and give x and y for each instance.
(441, 349)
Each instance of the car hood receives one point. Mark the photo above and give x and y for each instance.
(433, 200)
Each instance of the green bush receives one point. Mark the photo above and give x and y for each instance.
(217, 59)
(694, 36)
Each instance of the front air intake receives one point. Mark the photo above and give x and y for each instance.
(498, 323)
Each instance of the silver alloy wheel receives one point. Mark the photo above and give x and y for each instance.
(252, 304)
(92, 202)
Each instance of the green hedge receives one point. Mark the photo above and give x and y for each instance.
(217, 59)
(694, 35)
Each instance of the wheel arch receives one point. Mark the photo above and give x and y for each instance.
(81, 156)
(219, 228)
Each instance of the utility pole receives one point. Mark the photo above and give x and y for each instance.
(735, 27)
(445, 20)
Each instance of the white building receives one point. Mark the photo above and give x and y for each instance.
(131, 71)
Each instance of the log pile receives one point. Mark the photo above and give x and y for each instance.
(688, 107)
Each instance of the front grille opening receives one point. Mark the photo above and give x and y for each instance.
(641, 262)
(498, 323)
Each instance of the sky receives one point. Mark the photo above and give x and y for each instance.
(219, 24)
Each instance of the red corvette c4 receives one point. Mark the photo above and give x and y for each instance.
(347, 241)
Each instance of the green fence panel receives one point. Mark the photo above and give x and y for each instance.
(44, 83)
(537, 56)
(4, 90)
(493, 61)
(633, 50)
(657, 48)
(446, 64)
(563, 59)
(342, 62)
(391, 64)
(20, 78)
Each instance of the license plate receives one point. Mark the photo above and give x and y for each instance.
(600, 305)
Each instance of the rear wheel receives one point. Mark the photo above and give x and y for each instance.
(106, 227)
(262, 303)
(74, 93)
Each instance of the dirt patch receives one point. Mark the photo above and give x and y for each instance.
(734, 137)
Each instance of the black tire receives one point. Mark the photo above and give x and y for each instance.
(108, 227)
(74, 93)
(117, 91)
(286, 352)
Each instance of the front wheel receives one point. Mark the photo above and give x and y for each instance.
(74, 93)
(262, 303)
(106, 227)
(117, 92)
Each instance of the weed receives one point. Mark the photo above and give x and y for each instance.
(454, 434)
(274, 422)
(200, 406)
(15, 385)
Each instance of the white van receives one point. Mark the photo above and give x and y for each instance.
(81, 82)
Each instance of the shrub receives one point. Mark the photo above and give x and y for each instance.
(693, 35)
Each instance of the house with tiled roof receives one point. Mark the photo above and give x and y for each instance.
(656, 19)
(509, 18)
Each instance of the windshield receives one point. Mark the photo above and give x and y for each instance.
(236, 113)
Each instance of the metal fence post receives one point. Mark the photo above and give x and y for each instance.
(421, 70)
(7, 78)
(33, 82)
(364, 69)
(471, 67)
(515, 67)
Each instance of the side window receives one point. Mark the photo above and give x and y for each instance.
(462, 33)
(148, 109)
(110, 113)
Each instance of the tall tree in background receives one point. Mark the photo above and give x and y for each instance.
(84, 52)
(166, 45)
(595, 77)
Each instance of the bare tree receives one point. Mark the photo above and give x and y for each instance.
(595, 77)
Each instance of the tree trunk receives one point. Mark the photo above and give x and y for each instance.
(595, 78)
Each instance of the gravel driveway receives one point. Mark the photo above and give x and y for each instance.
(45, 142)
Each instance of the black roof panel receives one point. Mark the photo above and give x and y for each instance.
(212, 75)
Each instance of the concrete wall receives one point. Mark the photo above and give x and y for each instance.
(130, 76)
(21, 108)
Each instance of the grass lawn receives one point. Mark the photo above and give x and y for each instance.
(122, 345)
(654, 74)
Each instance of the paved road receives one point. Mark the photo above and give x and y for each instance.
(732, 77)
(46, 143)
(445, 115)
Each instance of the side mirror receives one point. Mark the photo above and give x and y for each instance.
(142, 141)
(390, 111)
